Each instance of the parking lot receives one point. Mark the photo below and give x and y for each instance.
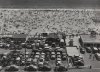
(86, 57)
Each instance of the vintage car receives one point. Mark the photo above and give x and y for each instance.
(78, 61)
(97, 55)
(88, 49)
(64, 57)
(12, 68)
(53, 57)
(45, 68)
(82, 50)
(31, 68)
(60, 68)
(94, 49)
(98, 50)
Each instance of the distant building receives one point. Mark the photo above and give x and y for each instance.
(19, 37)
(88, 40)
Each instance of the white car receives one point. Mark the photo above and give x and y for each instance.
(41, 59)
(53, 57)
(97, 55)
(58, 56)
(37, 53)
(37, 56)
(0, 68)
(58, 62)
(35, 60)
(46, 45)
(42, 53)
(58, 59)
(53, 53)
(42, 56)
(57, 47)
(58, 53)
(95, 50)
(40, 64)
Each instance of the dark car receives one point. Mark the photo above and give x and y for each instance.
(88, 50)
(45, 68)
(94, 49)
(1, 45)
(64, 53)
(31, 68)
(64, 57)
(4, 45)
(53, 57)
(78, 61)
(12, 68)
(98, 50)
(82, 50)
(29, 46)
(97, 55)
(60, 68)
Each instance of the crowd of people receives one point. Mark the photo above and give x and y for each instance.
(67, 21)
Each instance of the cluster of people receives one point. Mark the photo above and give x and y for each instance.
(67, 21)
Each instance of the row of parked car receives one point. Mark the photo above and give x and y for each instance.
(89, 50)
(93, 50)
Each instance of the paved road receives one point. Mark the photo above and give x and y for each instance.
(50, 3)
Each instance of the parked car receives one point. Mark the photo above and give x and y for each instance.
(40, 64)
(58, 63)
(64, 57)
(53, 53)
(88, 50)
(58, 56)
(58, 53)
(82, 50)
(98, 50)
(60, 69)
(12, 68)
(97, 55)
(53, 57)
(1, 45)
(58, 59)
(37, 53)
(94, 49)
(31, 68)
(78, 61)
(45, 68)
(42, 56)
(63, 53)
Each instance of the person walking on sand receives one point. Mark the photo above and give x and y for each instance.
(93, 57)
(90, 55)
